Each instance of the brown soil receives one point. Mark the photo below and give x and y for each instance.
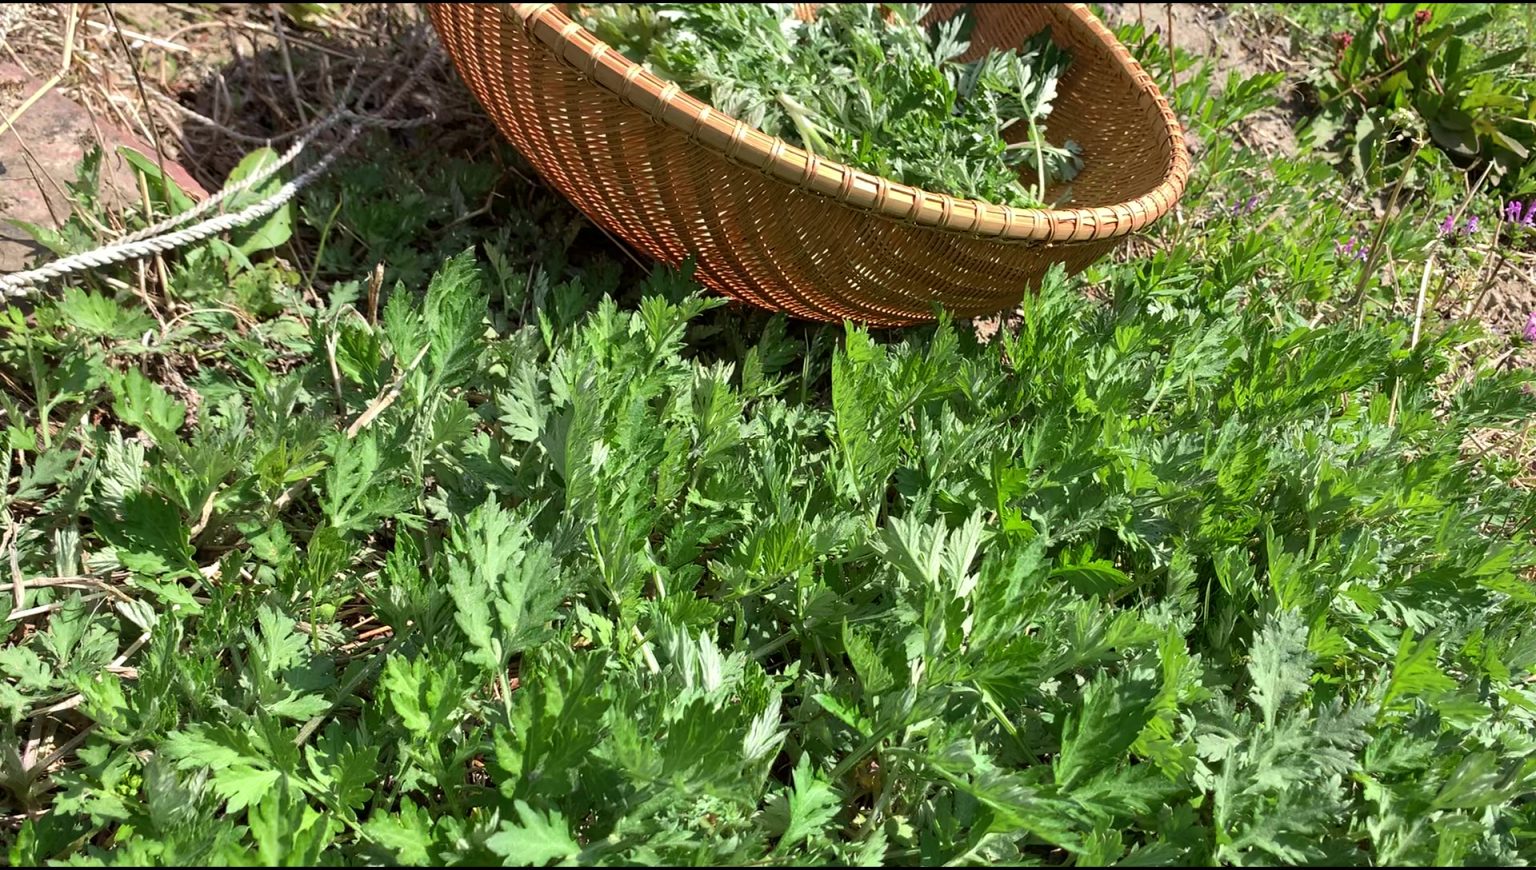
(39, 156)
(1509, 306)
(1233, 43)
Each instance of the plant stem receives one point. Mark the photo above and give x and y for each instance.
(1173, 55)
(1487, 281)
(1418, 323)
(325, 236)
(1034, 135)
(810, 134)
(1374, 257)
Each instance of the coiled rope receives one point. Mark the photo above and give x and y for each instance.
(162, 236)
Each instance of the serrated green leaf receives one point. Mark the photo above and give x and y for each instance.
(813, 804)
(534, 840)
(1280, 664)
(1113, 712)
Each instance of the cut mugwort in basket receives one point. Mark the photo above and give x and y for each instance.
(865, 84)
(861, 224)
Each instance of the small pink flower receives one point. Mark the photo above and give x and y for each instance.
(1242, 209)
(1354, 249)
(1448, 226)
(1471, 225)
(1530, 327)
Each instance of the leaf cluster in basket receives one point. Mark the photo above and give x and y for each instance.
(866, 84)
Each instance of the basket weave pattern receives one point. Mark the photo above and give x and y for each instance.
(777, 227)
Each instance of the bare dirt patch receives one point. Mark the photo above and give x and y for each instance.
(1509, 304)
(1234, 43)
(40, 154)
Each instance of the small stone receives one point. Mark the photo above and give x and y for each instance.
(41, 154)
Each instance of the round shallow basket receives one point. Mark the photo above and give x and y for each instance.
(769, 223)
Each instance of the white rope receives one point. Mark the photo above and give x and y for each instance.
(270, 169)
(154, 239)
(306, 136)
(246, 183)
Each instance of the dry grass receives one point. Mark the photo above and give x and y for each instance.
(205, 86)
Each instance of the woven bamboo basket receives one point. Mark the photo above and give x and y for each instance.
(775, 226)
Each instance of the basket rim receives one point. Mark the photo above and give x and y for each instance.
(729, 137)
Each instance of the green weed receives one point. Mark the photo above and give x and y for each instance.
(512, 555)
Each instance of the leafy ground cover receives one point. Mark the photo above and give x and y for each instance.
(515, 550)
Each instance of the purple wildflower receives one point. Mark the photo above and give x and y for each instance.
(1348, 251)
(1448, 227)
(1530, 215)
(1245, 208)
(1471, 225)
(1512, 211)
(1530, 327)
